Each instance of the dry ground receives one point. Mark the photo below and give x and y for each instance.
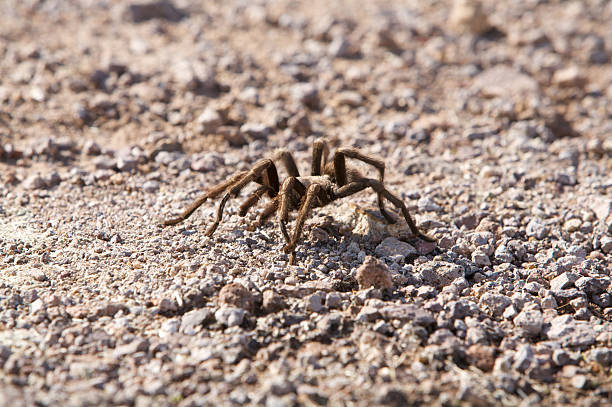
(494, 123)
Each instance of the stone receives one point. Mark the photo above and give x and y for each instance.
(91, 148)
(495, 303)
(207, 162)
(393, 247)
(407, 312)
(257, 131)
(604, 300)
(440, 274)
(367, 314)
(564, 280)
(373, 273)
(333, 300)
(533, 287)
(341, 47)
(136, 345)
(386, 40)
(313, 302)
(237, 295)
(606, 244)
(273, 302)
(194, 318)
(603, 356)
(536, 229)
(572, 225)
(126, 162)
(566, 178)
(306, 94)
(5, 353)
(390, 396)
(250, 95)
(549, 302)
(481, 356)
(580, 381)
(38, 306)
(167, 305)
(529, 322)
(468, 16)
(427, 204)
(209, 120)
(169, 327)
(397, 127)
(601, 205)
(367, 224)
(34, 182)
(569, 77)
(503, 254)
(230, 316)
(193, 75)
(569, 332)
(505, 82)
(510, 312)
(300, 124)
(524, 358)
(480, 258)
(161, 9)
(349, 98)
(476, 335)
(560, 357)
(150, 186)
(104, 162)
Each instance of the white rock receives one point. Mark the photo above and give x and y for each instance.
(313, 303)
(34, 182)
(150, 186)
(480, 257)
(505, 82)
(37, 306)
(210, 120)
(529, 322)
(169, 328)
(536, 229)
(467, 16)
(569, 77)
(230, 316)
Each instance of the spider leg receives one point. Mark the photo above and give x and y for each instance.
(213, 227)
(252, 199)
(400, 205)
(341, 175)
(309, 202)
(379, 188)
(270, 176)
(320, 151)
(290, 184)
(268, 211)
(288, 162)
(263, 167)
(212, 193)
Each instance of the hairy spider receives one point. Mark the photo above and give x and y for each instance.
(328, 182)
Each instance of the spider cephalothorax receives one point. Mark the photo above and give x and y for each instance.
(329, 181)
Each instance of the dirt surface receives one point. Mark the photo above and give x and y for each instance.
(494, 123)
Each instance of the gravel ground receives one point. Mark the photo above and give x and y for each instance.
(494, 123)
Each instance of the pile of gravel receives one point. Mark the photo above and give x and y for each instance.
(494, 124)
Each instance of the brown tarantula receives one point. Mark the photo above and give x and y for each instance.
(328, 182)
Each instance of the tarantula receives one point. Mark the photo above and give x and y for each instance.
(328, 182)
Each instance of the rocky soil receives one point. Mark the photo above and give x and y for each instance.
(495, 125)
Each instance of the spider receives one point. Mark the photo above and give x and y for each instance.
(329, 181)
